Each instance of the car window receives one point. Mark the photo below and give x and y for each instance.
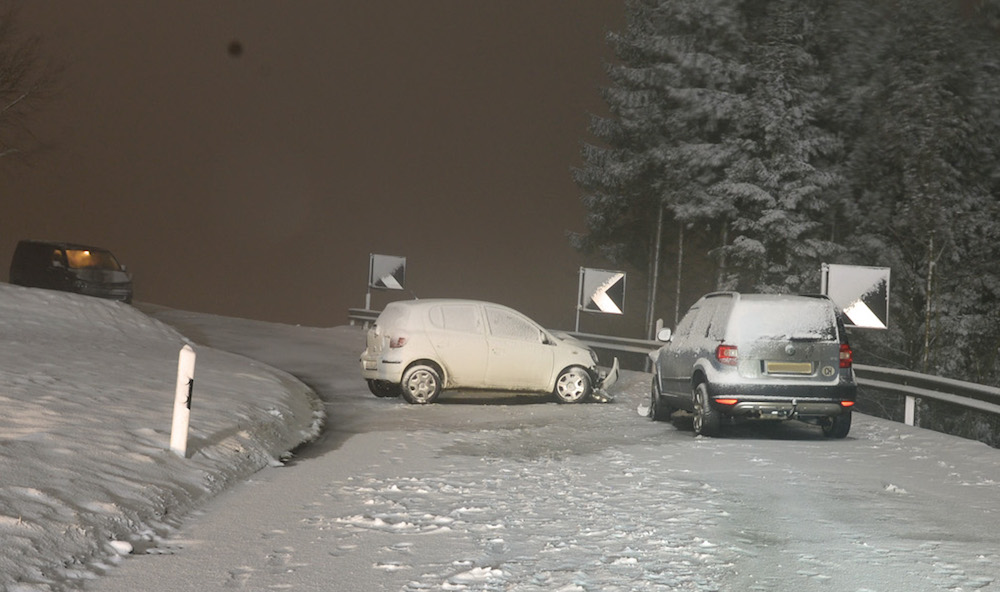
(463, 318)
(509, 326)
(392, 317)
(806, 319)
(684, 327)
(720, 314)
(701, 323)
(91, 259)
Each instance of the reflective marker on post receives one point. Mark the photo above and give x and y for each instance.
(182, 401)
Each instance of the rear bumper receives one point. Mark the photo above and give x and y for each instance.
(783, 409)
(376, 368)
(769, 391)
(784, 401)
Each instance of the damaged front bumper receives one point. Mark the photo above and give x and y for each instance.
(605, 380)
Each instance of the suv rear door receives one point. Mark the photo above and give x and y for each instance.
(797, 341)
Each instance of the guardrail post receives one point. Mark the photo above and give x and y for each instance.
(182, 401)
(911, 410)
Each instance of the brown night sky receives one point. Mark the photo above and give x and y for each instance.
(256, 186)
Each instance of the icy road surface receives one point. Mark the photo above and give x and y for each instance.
(493, 492)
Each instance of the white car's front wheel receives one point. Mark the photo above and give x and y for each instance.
(573, 385)
(421, 384)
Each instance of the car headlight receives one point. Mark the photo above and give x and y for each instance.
(593, 356)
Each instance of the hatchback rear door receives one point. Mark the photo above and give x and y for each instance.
(457, 333)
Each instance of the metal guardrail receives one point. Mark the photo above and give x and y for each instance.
(361, 315)
(618, 344)
(911, 385)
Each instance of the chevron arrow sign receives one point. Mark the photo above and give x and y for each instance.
(861, 293)
(602, 290)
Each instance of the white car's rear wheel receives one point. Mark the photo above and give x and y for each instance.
(383, 388)
(421, 384)
(573, 385)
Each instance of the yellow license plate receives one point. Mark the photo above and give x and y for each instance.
(789, 367)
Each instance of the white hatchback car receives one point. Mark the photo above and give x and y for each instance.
(418, 348)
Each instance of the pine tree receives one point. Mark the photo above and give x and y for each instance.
(675, 92)
(909, 164)
(778, 135)
(782, 187)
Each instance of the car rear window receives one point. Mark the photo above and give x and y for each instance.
(803, 319)
(392, 317)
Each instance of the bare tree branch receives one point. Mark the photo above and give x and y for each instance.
(26, 81)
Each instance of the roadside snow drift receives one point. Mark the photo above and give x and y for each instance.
(86, 474)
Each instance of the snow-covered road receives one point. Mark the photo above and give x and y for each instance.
(512, 493)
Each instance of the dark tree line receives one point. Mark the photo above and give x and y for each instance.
(750, 141)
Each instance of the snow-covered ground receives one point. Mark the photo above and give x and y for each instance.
(87, 390)
(478, 492)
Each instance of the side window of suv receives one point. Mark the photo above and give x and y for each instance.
(703, 321)
(687, 323)
(720, 318)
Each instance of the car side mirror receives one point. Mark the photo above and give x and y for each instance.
(664, 335)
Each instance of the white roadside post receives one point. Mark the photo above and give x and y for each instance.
(182, 401)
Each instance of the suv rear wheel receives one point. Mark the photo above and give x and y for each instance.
(838, 427)
(706, 419)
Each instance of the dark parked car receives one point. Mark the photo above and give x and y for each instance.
(71, 268)
(756, 357)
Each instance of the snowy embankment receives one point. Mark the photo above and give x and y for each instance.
(86, 474)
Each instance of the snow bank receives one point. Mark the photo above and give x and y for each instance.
(87, 389)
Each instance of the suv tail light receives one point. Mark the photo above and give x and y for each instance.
(727, 354)
(397, 342)
(846, 356)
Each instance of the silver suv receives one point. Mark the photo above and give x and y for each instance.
(756, 357)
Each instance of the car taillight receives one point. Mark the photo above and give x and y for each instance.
(727, 354)
(846, 356)
(727, 401)
(847, 404)
(397, 342)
